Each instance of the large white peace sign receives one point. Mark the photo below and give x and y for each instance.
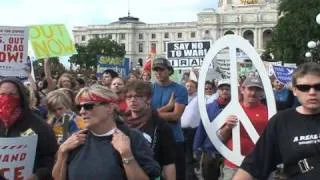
(233, 108)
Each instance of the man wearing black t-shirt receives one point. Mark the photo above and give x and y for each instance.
(157, 131)
(292, 137)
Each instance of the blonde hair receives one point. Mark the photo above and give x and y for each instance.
(58, 97)
(69, 76)
(95, 90)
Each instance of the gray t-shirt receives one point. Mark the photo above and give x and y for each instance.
(98, 160)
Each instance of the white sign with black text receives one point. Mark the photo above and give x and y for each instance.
(187, 54)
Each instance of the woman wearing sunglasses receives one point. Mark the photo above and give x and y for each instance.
(292, 136)
(107, 149)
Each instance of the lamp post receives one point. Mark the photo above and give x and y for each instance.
(314, 47)
(318, 19)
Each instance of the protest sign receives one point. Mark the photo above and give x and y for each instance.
(269, 66)
(187, 54)
(17, 157)
(294, 65)
(51, 41)
(232, 42)
(118, 64)
(221, 63)
(13, 51)
(283, 74)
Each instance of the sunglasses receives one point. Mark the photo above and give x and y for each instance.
(307, 87)
(88, 106)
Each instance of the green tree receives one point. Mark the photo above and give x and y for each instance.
(87, 55)
(57, 68)
(295, 28)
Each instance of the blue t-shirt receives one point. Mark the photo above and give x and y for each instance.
(281, 95)
(161, 96)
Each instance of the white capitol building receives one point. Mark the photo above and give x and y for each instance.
(252, 19)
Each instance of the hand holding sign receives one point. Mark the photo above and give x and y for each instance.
(231, 122)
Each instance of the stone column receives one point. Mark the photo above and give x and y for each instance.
(255, 38)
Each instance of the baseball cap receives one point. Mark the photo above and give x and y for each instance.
(223, 82)
(253, 81)
(161, 63)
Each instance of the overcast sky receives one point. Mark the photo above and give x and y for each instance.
(85, 12)
(89, 12)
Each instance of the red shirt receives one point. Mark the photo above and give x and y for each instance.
(258, 116)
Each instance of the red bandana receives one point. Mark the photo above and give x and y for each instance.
(9, 109)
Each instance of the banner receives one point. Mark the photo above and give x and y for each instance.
(222, 63)
(269, 66)
(283, 73)
(120, 65)
(51, 41)
(187, 54)
(13, 51)
(17, 157)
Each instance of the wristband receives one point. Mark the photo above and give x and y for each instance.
(127, 160)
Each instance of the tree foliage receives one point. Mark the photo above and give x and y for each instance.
(87, 54)
(57, 68)
(295, 28)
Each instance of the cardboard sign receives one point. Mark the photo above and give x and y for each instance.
(13, 51)
(233, 108)
(283, 74)
(222, 62)
(51, 41)
(17, 157)
(187, 54)
(120, 65)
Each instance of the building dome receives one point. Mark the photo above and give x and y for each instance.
(128, 19)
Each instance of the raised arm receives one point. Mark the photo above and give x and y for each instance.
(47, 73)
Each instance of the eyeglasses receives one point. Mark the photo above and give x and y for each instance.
(207, 89)
(134, 96)
(88, 106)
(307, 87)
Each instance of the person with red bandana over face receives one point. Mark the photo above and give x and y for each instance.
(16, 118)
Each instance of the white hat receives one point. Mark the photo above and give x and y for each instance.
(223, 82)
(26, 83)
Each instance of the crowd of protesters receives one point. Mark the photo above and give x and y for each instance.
(131, 128)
